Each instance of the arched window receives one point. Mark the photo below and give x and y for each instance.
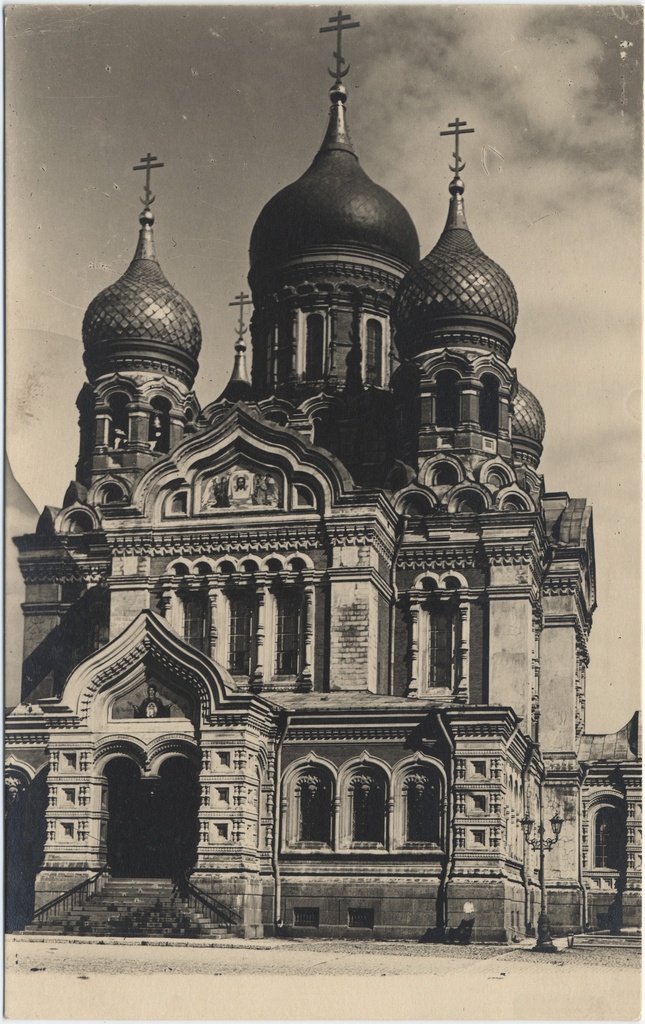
(241, 633)
(111, 494)
(608, 839)
(440, 645)
(447, 399)
(289, 632)
(285, 352)
(446, 475)
(315, 347)
(118, 420)
(489, 404)
(195, 626)
(368, 807)
(314, 806)
(422, 808)
(159, 431)
(374, 352)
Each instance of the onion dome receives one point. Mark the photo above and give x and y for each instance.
(529, 426)
(456, 294)
(334, 203)
(141, 321)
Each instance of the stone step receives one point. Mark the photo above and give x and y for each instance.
(136, 907)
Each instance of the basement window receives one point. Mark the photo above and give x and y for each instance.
(361, 917)
(306, 917)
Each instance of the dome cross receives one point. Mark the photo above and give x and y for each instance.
(458, 128)
(147, 164)
(241, 300)
(338, 23)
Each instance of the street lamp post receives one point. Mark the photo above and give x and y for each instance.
(544, 942)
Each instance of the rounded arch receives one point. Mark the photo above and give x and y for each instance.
(512, 499)
(273, 563)
(179, 567)
(446, 465)
(119, 746)
(495, 473)
(414, 502)
(299, 561)
(172, 745)
(427, 581)
(77, 519)
(419, 787)
(470, 498)
(309, 787)
(364, 790)
(452, 580)
(203, 566)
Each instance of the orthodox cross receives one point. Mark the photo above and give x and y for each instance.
(147, 163)
(338, 24)
(458, 128)
(241, 300)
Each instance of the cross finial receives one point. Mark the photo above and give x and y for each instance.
(458, 128)
(241, 300)
(338, 23)
(147, 163)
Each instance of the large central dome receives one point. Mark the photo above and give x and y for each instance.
(333, 203)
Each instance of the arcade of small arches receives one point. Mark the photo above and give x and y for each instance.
(363, 805)
(118, 416)
(301, 348)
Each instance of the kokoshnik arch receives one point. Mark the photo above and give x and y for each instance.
(333, 619)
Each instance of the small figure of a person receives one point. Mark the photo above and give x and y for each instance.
(152, 706)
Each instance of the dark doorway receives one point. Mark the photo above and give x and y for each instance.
(153, 825)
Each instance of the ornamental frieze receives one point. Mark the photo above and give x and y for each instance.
(286, 539)
(59, 572)
(348, 733)
(446, 558)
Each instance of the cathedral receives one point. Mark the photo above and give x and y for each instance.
(315, 652)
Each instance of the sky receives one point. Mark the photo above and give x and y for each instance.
(234, 101)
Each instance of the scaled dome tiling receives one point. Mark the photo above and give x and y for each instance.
(528, 415)
(142, 306)
(455, 279)
(333, 203)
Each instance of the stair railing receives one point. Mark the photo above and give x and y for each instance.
(202, 901)
(73, 897)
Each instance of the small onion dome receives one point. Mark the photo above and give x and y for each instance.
(142, 320)
(456, 294)
(528, 427)
(333, 203)
(239, 387)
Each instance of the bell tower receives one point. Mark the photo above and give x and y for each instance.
(141, 340)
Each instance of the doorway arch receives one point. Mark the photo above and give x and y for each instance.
(153, 824)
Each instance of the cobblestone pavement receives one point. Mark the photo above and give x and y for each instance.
(483, 981)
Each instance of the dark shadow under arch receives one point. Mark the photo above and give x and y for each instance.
(153, 825)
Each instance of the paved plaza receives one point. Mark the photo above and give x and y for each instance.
(316, 979)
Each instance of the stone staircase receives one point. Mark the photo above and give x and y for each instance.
(135, 907)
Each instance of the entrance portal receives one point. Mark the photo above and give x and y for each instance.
(153, 825)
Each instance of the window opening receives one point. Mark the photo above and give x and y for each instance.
(608, 839)
(368, 807)
(489, 404)
(315, 809)
(314, 347)
(289, 629)
(440, 651)
(447, 399)
(242, 609)
(196, 620)
(374, 352)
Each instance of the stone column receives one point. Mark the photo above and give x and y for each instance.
(176, 428)
(103, 418)
(138, 426)
(306, 676)
(258, 674)
(464, 651)
(213, 593)
(413, 685)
